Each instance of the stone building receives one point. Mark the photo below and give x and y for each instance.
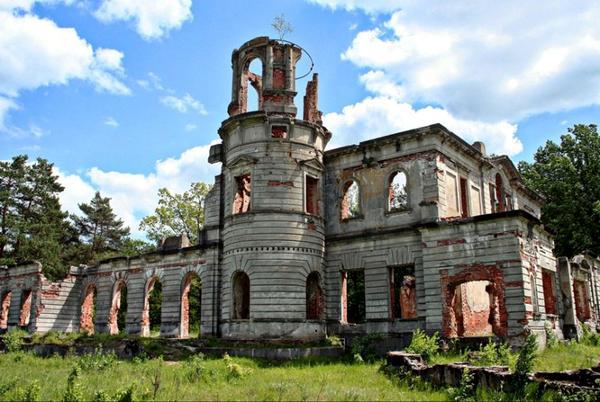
(417, 229)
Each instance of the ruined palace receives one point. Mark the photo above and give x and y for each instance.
(417, 229)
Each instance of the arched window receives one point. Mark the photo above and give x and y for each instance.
(5, 306)
(397, 192)
(118, 310)
(314, 297)
(351, 200)
(253, 78)
(191, 305)
(241, 296)
(25, 314)
(88, 310)
(499, 194)
(151, 315)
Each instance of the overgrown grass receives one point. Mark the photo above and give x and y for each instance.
(568, 356)
(203, 379)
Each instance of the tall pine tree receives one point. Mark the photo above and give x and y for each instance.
(32, 225)
(99, 228)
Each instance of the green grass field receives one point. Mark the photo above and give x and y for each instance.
(207, 379)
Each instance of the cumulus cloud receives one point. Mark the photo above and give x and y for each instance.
(481, 60)
(134, 196)
(183, 104)
(153, 19)
(35, 52)
(383, 115)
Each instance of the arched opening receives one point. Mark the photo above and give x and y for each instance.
(403, 292)
(241, 296)
(6, 297)
(315, 302)
(397, 192)
(582, 300)
(25, 313)
(151, 315)
(88, 310)
(253, 78)
(350, 200)
(118, 311)
(191, 306)
(353, 296)
(499, 194)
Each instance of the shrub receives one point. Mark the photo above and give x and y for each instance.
(365, 346)
(194, 368)
(97, 361)
(426, 346)
(234, 370)
(551, 339)
(13, 339)
(493, 354)
(527, 356)
(334, 341)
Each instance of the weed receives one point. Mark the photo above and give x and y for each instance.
(234, 370)
(194, 368)
(466, 389)
(527, 356)
(551, 339)
(426, 346)
(97, 361)
(13, 339)
(334, 341)
(73, 391)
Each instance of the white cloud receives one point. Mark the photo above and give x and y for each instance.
(482, 60)
(152, 19)
(134, 196)
(190, 127)
(384, 115)
(26, 5)
(184, 104)
(369, 6)
(111, 122)
(35, 52)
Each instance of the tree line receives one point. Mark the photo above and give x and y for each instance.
(33, 225)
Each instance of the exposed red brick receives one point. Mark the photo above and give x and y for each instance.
(315, 300)
(279, 131)
(25, 313)
(344, 297)
(311, 101)
(448, 242)
(5, 306)
(527, 300)
(275, 183)
(582, 304)
(513, 284)
(549, 296)
(312, 193)
(278, 78)
(408, 298)
(86, 321)
(113, 324)
(146, 311)
(241, 202)
(498, 316)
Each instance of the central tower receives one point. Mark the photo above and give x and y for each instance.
(272, 178)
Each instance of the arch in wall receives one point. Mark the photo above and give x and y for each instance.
(88, 309)
(4, 309)
(253, 73)
(241, 296)
(118, 309)
(191, 290)
(315, 300)
(151, 314)
(350, 207)
(397, 191)
(452, 299)
(25, 311)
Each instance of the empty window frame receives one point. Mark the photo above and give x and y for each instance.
(397, 192)
(403, 296)
(350, 200)
(353, 296)
(312, 195)
(241, 296)
(241, 200)
(464, 203)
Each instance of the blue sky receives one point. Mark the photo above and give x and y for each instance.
(125, 96)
